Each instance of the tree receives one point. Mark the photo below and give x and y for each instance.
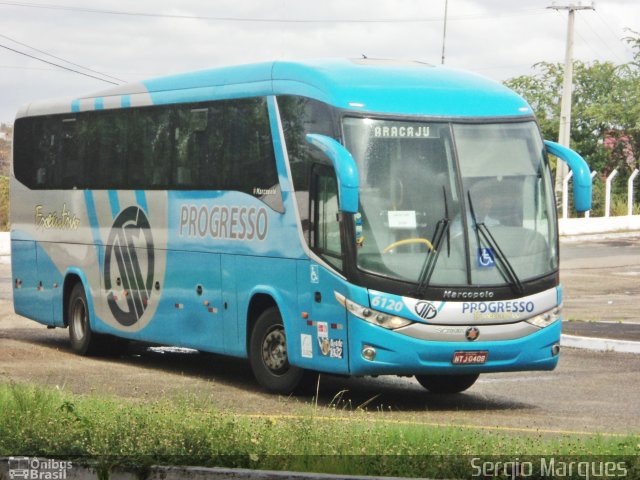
(605, 126)
(5, 148)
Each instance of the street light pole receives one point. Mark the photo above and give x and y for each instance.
(564, 137)
(444, 29)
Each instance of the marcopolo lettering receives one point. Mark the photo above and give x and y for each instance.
(223, 222)
(467, 295)
(498, 307)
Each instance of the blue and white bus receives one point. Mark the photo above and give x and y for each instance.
(354, 217)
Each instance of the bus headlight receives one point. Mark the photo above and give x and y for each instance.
(547, 318)
(381, 319)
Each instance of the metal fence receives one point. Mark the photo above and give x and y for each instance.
(607, 222)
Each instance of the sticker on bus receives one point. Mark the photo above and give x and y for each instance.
(486, 258)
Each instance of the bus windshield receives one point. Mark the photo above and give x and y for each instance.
(478, 193)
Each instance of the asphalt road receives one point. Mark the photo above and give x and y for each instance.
(601, 280)
(588, 392)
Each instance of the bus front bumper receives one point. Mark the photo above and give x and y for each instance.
(377, 351)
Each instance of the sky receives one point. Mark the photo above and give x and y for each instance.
(122, 41)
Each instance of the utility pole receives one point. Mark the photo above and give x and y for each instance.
(564, 138)
(444, 29)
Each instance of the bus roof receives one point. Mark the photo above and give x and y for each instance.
(363, 85)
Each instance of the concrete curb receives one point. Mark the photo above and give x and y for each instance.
(597, 237)
(82, 472)
(171, 473)
(600, 344)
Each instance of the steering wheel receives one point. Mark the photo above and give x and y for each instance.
(407, 241)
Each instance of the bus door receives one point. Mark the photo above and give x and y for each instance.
(198, 300)
(326, 325)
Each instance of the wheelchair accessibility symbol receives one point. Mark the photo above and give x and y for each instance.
(486, 258)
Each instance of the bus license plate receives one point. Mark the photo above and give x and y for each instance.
(470, 358)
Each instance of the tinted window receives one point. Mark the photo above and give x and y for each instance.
(325, 234)
(300, 116)
(222, 145)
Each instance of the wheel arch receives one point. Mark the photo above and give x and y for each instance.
(261, 299)
(72, 277)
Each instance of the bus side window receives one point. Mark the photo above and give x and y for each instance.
(249, 164)
(183, 137)
(69, 165)
(325, 231)
(30, 145)
(300, 116)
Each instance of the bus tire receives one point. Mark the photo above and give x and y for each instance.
(83, 340)
(447, 384)
(268, 354)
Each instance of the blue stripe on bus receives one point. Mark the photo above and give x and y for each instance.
(98, 103)
(114, 203)
(141, 200)
(125, 101)
(95, 225)
(75, 106)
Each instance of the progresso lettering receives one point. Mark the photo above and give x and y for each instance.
(498, 307)
(224, 222)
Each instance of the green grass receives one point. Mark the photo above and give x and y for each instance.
(117, 432)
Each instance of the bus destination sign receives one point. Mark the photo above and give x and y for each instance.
(404, 130)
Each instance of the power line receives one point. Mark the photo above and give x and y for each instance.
(616, 35)
(22, 67)
(57, 65)
(595, 32)
(264, 20)
(596, 51)
(606, 24)
(62, 59)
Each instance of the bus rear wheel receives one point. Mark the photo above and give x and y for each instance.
(268, 354)
(446, 384)
(83, 340)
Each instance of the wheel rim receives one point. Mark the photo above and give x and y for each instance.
(274, 350)
(78, 319)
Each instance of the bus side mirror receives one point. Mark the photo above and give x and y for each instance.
(581, 174)
(345, 168)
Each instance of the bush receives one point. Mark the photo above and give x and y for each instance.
(4, 204)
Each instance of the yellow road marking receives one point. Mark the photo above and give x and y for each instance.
(438, 425)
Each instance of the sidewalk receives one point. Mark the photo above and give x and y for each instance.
(5, 247)
(609, 330)
(601, 336)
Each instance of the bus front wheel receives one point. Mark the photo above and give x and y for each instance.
(268, 354)
(445, 384)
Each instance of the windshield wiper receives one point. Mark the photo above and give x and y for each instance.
(442, 228)
(504, 266)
